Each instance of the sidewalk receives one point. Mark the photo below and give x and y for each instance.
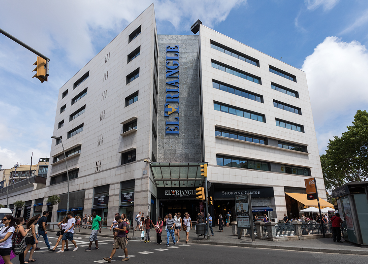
(325, 245)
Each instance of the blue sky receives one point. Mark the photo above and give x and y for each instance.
(325, 38)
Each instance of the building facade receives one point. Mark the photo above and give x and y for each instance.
(150, 106)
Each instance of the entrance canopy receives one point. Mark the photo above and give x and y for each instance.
(261, 209)
(302, 198)
(177, 174)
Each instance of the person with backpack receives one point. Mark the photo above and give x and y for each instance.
(19, 243)
(119, 239)
(31, 238)
(6, 234)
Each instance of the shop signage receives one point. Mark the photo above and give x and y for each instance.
(242, 211)
(256, 193)
(101, 200)
(127, 197)
(172, 90)
(168, 193)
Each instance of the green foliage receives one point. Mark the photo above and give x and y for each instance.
(346, 158)
(55, 199)
(2, 206)
(19, 204)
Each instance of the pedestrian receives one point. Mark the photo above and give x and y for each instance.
(62, 225)
(228, 215)
(31, 238)
(42, 223)
(119, 240)
(20, 234)
(286, 219)
(220, 222)
(336, 224)
(158, 228)
(6, 234)
(68, 233)
(178, 223)
(96, 227)
(187, 225)
(126, 220)
(265, 218)
(142, 222)
(85, 221)
(114, 223)
(209, 219)
(148, 223)
(137, 220)
(170, 225)
(199, 218)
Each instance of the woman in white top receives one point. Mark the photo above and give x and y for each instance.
(187, 224)
(178, 222)
(6, 234)
(62, 225)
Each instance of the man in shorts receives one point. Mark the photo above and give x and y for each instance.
(68, 233)
(138, 221)
(119, 239)
(96, 227)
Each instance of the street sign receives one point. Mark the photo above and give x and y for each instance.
(243, 222)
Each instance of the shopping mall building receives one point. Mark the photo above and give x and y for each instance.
(141, 116)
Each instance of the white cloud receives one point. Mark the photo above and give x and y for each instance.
(360, 21)
(326, 4)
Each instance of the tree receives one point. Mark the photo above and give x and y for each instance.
(19, 204)
(55, 199)
(346, 158)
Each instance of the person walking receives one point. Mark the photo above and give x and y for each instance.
(148, 223)
(286, 219)
(187, 225)
(31, 238)
(96, 227)
(228, 215)
(220, 222)
(170, 225)
(141, 225)
(68, 233)
(209, 219)
(158, 228)
(20, 234)
(137, 220)
(336, 224)
(84, 220)
(42, 223)
(62, 225)
(6, 234)
(114, 223)
(119, 240)
(178, 224)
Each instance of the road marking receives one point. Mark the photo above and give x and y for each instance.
(145, 252)
(129, 256)
(103, 261)
(173, 247)
(184, 245)
(161, 249)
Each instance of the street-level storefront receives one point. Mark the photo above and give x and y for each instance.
(27, 210)
(76, 203)
(101, 201)
(127, 199)
(37, 207)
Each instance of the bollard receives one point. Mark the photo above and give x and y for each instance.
(298, 228)
(271, 230)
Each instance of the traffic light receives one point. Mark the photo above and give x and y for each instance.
(204, 170)
(41, 70)
(211, 201)
(200, 193)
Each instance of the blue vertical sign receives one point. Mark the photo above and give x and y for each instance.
(172, 90)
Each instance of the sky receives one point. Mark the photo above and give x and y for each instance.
(327, 39)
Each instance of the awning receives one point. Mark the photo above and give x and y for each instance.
(302, 198)
(261, 209)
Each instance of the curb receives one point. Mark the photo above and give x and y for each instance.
(305, 249)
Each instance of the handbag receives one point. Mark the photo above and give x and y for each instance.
(19, 246)
(12, 255)
(184, 227)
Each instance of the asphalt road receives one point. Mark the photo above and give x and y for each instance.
(140, 252)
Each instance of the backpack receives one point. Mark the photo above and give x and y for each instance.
(127, 228)
(19, 245)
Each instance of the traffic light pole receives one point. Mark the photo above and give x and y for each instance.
(320, 213)
(206, 201)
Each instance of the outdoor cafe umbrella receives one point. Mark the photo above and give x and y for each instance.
(310, 210)
(327, 209)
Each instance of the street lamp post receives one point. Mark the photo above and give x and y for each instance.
(66, 165)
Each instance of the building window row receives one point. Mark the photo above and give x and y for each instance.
(284, 90)
(240, 136)
(234, 53)
(131, 99)
(239, 112)
(80, 80)
(282, 73)
(59, 140)
(135, 33)
(237, 91)
(247, 76)
(75, 131)
(62, 109)
(132, 76)
(61, 124)
(65, 93)
(286, 145)
(289, 125)
(242, 163)
(287, 107)
(129, 126)
(69, 153)
(62, 177)
(79, 96)
(295, 170)
(134, 54)
(77, 113)
(128, 157)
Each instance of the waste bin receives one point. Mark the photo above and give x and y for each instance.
(200, 229)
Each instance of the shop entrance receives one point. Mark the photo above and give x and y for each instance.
(224, 207)
(182, 206)
(102, 212)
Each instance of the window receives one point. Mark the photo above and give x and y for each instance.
(79, 96)
(242, 163)
(59, 140)
(219, 132)
(80, 80)
(236, 72)
(61, 124)
(131, 99)
(62, 177)
(237, 91)
(239, 112)
(75, 131)
(287, 107)
(129, 126)
(65, 93)
(77, 113)
(128, 157)
(291, 146)
(234, 53)
(132, 76)
(154, 131)
(69, 153)
(289, 125)
(295, 170)
(284, 90)
(134, 54)
(135, 34)
(282, 73)
(62, 109)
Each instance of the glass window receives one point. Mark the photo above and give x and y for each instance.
(227, 162)
(216, 85)
(258, 99)
(254, 117)
(241, 58)
(223, 87)
(239, 112)
(225, 134)
(217, 107)
(282, 124)
(238, 92)
(288, 126)
(235, 55)
(240, 137)
(217, 133)
(265, 166)
(230, 90)
(232, 110)
(224, 108)
(251, 164)
(220, 161)
(306, 172)
(255, 140)
(252, 97)
(261, 141)
(235, 163)
(227, 52)
(246, 115)
(300, 171)
(260, 118)
(243, 164)
(288, 170)
(249, 139)
(234, 136)
(245, 94)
